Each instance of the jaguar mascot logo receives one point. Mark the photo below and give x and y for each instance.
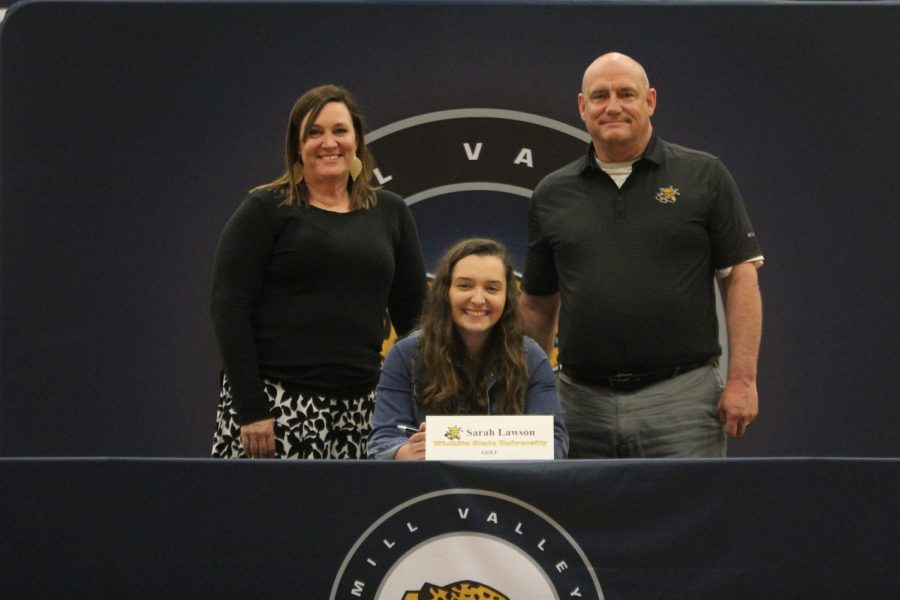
(461, 590)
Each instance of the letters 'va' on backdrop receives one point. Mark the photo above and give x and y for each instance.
(131, 131)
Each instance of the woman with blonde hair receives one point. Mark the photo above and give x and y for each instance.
(469, 356)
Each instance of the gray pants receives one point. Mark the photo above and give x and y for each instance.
(674, 418)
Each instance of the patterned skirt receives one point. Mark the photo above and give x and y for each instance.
(306, 426)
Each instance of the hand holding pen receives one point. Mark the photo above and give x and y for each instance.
(414, 449)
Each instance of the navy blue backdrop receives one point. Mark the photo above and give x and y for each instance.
(130, 131)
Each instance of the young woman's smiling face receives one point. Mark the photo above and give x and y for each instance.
(477, 297)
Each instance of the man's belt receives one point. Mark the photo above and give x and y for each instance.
(629, 382)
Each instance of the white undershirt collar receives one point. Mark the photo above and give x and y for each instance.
(618, 171)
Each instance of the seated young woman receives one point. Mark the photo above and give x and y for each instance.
(469, 356)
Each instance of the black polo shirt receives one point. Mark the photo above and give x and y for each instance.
(635, 266)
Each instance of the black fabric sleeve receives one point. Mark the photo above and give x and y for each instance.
(408, 287)
(539, 277)
(731, 235)
(238, 270)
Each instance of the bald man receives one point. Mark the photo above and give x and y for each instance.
(624, 245)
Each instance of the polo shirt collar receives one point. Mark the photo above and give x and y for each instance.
(653, 152)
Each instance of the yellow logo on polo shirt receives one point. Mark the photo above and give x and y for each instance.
(667, 195)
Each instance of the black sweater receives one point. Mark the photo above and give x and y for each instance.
(299, 295)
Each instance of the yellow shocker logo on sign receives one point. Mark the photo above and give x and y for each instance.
(453, 433)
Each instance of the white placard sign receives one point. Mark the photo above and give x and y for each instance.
(489, 437)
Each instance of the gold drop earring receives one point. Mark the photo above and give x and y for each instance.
(356, 168)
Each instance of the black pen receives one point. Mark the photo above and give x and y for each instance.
(408, 429)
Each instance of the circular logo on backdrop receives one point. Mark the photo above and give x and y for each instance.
(470, 172)
(465, 543)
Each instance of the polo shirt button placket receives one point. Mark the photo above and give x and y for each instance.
(620, 206)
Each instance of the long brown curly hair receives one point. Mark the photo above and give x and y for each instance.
(362, 194)
(445, 384)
